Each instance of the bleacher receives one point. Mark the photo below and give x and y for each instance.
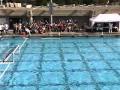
(65, 10)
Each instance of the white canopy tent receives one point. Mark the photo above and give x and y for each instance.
(106, 18)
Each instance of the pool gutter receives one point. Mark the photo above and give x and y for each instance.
(69, 34)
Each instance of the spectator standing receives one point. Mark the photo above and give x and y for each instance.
(15, 28)
(6, 27)
(110, 27)
(19, 28)
(1, 28)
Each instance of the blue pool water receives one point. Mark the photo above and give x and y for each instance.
(82, 63)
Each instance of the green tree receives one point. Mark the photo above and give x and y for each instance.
(103, 1)
(41, 2)
(87, 1)
(60, 2)
(63, 2)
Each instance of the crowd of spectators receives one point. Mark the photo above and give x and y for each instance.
(60, 26)
(41, 27)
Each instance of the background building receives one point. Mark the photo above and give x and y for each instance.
(20, 12)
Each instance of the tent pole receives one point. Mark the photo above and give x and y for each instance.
(102, 31)
(119, 27)
(109, 28)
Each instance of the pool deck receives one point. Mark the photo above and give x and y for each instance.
(67, 34)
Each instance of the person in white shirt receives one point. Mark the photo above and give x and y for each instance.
(28, 31)
(110, 27)
(1, 28)
(6, 27)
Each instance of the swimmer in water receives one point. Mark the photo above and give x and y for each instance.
(1, 37)
(8, 53)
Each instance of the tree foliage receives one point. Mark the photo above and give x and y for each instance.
(65, 2)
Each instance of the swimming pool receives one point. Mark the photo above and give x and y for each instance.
(66, 63)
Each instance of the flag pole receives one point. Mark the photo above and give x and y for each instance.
(51, 12)
(1, 2)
